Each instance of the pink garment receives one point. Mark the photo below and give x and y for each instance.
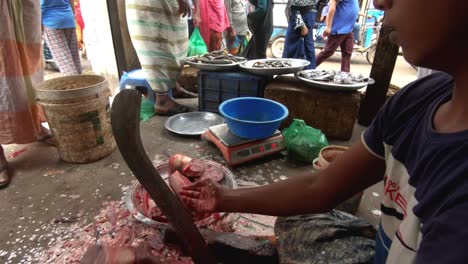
(214, 16)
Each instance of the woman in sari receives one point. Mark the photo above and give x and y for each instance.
(260, 23)
(20, 69)
(212, 19)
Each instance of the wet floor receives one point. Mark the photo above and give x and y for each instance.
(47, 196)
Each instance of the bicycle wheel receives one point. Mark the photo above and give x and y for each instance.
(370, 54)
(277, 47)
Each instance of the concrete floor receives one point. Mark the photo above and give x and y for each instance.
(45, 188)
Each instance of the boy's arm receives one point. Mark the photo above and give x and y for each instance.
(349, 174)
(330, 16)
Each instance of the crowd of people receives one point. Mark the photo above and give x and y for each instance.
(159, 33)
(339, 27)
(162, 49)
(236, 18)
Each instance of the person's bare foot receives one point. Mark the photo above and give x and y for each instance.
(4, 176)
(166, 106)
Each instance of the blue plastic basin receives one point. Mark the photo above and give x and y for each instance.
(253, 117)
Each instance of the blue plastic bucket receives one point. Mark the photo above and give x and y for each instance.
(253, 117)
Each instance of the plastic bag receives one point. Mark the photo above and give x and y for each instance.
(146, 109)
(196, 44)
(303, 142)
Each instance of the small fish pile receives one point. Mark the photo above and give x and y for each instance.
(216, 57)
(337, 77)
(272, 64)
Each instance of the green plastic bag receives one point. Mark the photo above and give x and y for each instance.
(146, 109)
(196, 44)
(303, 142)
(242, 47)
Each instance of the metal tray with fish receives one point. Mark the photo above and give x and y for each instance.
(133, 199)
(192, 123)
(333, 80)
(271, 67)
(215, 61)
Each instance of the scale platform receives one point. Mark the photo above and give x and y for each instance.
(237, 150)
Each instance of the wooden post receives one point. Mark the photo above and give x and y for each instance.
(382, 71)
(125, 54)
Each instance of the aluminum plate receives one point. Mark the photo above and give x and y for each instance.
(297, 65)
(331, 86)
(192, 123)
(213, 67)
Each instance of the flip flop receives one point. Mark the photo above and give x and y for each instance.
(183, 93)
(178, 110)
(4, 184)
(49, 140)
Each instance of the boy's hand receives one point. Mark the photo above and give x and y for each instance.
(326, 32)
(203, 196)
(184, 8)
(304, 31)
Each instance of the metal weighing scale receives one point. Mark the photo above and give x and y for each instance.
(237, 150)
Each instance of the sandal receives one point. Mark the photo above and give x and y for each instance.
(49, 140)
(174, 111)
(4, 177)
(181, 92)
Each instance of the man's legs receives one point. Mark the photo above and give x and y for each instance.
(309, 48)
(190, 27)
(262, 41)
(346, 46)
(333, 42)
(72, 39)
(292, 43)
(215, 40)
(59, 47)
